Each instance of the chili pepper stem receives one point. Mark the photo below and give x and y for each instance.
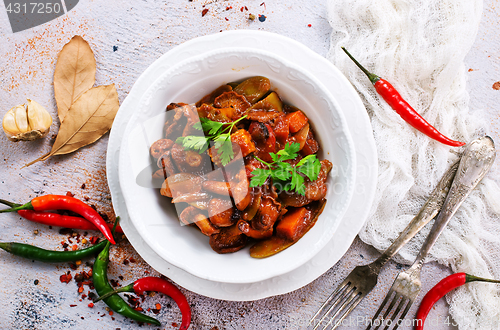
(6, 246)
(26, 206)
(373, 77)
(128, 288)
(3, 201)
(472, 278)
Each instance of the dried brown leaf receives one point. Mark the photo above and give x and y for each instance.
(74, 74)
(89, 118)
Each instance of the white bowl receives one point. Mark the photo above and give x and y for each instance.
(155, 217)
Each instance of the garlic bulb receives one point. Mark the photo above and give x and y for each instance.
(21, 124)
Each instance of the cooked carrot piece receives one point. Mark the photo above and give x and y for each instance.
(293, 223)
(296, 121)
(243, 138)
(282, 129)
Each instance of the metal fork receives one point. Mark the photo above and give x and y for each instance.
(364, 278)
(476, 161)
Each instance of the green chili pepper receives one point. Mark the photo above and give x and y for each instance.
(39, 254)
(102, 286)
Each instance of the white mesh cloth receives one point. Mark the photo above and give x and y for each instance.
(420, 46)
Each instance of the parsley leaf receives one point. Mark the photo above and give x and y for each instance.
(260, 176)
(215, 131)
(309, 166)
(199, 143)
(286, 176)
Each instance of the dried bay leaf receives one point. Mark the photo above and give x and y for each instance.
(89, 118)
(74, 74)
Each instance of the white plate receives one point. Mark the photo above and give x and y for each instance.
(154, 216)
(359, 126)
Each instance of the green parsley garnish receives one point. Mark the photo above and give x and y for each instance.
(219, 133)
(283, 174)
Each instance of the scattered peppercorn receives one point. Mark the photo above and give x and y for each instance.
(91, 305)
(83, 185)
(36, 282)
(251, 17)
(262, 18)
(309, 25)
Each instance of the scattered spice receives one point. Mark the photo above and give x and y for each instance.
(91, 305)
(309, 25)
(251, 17)
(83, 186)
(204, 12)
(65, 278)
(496, 86)
(36, 282)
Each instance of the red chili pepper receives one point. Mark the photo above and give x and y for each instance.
(59, 202)
(157, 284)
(396, 101)
(59, 220)
(442, 288)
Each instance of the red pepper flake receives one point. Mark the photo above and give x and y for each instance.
(74, 247)
(69, 194)
(139, 309)
(158, 306)
(229, 7)
(263, 4)
(80, 289)
(241, 9)
(66, 278)
(125, 262)
(309, 25)
(246, 8)
(175, 325)
(111, 313)
(132, 260)
(496, 86)
(91, 305)
(83, 186)
(226, 18)
(84, 296)
(204, 12)
(73, 305)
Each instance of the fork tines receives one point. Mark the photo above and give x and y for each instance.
(389, 317)
(338, 305)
